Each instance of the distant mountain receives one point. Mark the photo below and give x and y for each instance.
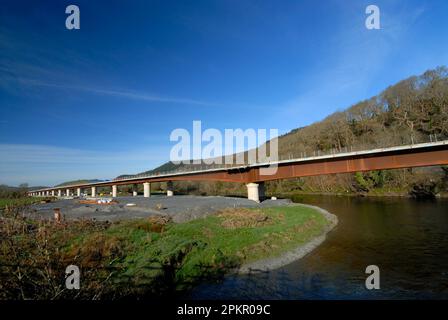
(37, 188)
(74, 182)
(168, 166)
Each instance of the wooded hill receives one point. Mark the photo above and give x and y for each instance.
(413, 110)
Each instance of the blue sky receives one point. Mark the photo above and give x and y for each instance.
(102, 101)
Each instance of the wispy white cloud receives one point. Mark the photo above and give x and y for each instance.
(42, 67)
(93, 89)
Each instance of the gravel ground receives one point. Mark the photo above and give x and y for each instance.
(179, 208)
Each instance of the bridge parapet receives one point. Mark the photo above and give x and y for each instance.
(414, 155)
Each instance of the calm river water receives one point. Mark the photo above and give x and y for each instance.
(407, 239)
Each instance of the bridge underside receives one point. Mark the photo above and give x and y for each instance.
(252, 176)
(316, 167)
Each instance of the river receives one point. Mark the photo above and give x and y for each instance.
(407, 239)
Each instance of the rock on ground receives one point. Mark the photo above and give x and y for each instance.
(179, 208)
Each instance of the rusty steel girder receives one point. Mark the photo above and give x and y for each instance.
(353, 162)
(356, 163)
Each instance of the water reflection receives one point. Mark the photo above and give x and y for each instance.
(407, 239)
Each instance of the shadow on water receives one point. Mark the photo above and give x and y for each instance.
(407, 239)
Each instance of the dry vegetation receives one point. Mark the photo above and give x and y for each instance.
(143, 258)
(409, 111)
(241, 218)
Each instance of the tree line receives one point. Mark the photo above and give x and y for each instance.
(411, 111)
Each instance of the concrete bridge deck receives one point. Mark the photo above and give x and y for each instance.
(254, 175)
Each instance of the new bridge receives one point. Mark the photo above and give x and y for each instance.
(254, 175)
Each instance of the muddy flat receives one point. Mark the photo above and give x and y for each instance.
(180, 208)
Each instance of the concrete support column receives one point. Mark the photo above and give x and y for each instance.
(93, 191)
(78, 192)
(169, 189)
(255, 191)
(114, 191)
(146, 189)
(134, 190)
(59, 193)
(261, 191)
(67, 193)
(52, 193)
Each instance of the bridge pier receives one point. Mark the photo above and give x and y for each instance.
(146, 189)
(255, 191)
(78, 192)
(59, 193)
(52, 193)
(114, 191)
(169, 189)
(134, 190)
(93, 191)
(67, 193)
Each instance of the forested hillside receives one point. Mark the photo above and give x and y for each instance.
(411, 111)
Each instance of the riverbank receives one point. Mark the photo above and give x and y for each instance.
(406, 238)
(150, 256)
(372, 194)
(297, 253)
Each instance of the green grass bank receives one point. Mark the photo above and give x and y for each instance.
(145, 257)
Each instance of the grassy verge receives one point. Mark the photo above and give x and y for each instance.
(141, 258)
(19, 202)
